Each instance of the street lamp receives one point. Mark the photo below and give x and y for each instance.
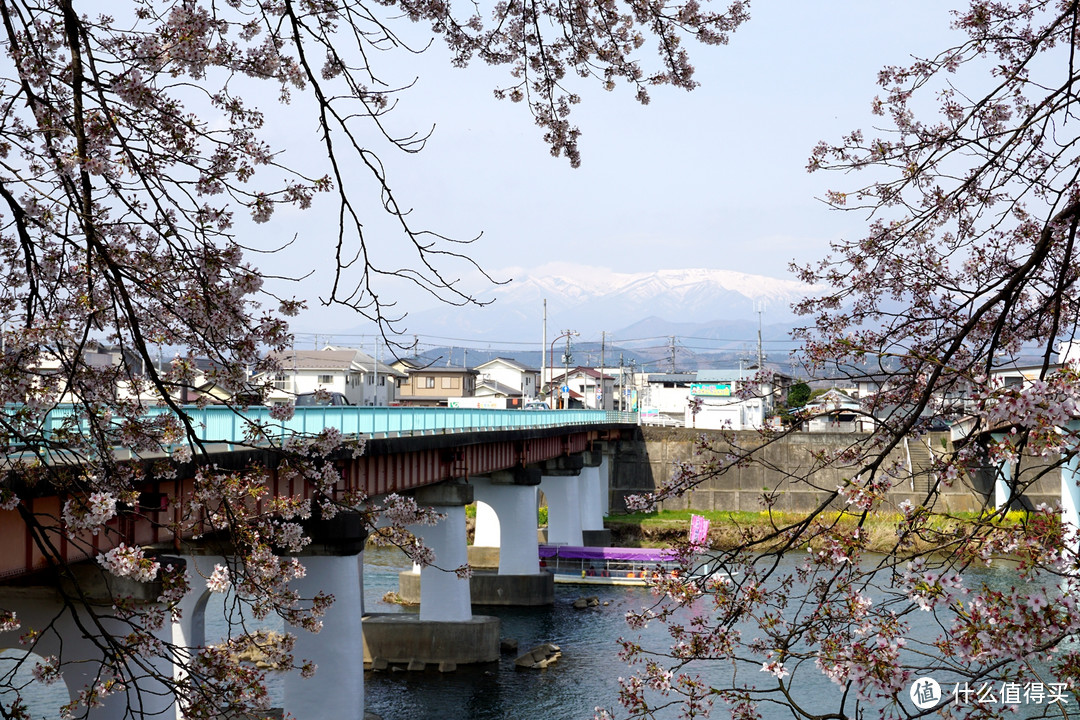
(566, 358)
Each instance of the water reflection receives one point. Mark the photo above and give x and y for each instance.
(587, 674)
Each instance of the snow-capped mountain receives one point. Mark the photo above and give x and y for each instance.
(589, 299)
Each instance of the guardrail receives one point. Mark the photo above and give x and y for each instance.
(219, 424)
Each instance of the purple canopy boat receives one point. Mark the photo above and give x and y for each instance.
(605, 565)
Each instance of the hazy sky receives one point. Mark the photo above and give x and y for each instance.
(713, 178)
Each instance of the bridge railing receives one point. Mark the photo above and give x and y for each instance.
(219, 424)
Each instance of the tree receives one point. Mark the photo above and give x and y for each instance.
(969, 261)
(798, 395)
(134, 162)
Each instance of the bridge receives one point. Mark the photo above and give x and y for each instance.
(445, 458)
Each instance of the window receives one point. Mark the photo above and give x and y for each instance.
(449, 382)
(429, 382)
(370, 379)
(382, 381)
(326, 379)
(281, 381)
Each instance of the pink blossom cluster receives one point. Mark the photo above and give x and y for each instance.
(47, 671)
(928, 589)
(89, 513)
(8, 499)
(124, 561)
(218, 581)
(9, 621)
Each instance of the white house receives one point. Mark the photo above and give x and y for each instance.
(507, 378)
(663, 397)
(837, 412)
(348, 371)
(588, 388)
(734, 398)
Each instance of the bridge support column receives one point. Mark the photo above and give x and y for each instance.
(333, 561)
(561, 485)
(1070, 499)
(605, 449)
(444, 597)
(74, 630)
(511, 498)
(446, 632)
(337, 688)
(1002, 492)
(593, 489)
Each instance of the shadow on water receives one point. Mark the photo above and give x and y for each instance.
(587, 674)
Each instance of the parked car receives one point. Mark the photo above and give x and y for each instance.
(321, 399)
(535, 405)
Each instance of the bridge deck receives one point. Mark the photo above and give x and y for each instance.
(407, 448)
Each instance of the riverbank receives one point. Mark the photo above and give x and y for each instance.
(729, 530)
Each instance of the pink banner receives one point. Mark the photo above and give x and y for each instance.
(699, 530)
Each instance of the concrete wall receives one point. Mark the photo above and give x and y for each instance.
(644, 462)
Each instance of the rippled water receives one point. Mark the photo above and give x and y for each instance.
(586, 675)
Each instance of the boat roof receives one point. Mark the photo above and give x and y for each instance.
(576, 552)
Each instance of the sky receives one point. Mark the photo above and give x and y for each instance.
(711, 178)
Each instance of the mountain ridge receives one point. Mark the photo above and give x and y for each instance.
(590, 300)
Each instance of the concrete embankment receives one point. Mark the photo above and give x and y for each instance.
(791, 470)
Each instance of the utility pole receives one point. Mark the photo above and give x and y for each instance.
(672, 354)
(603, 401)
(543, 362)
(760, 354)
(622, 389)
(566, 371)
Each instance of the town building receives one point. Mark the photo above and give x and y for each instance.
(505, 377)
(433, 385)
(348, 372)
(663, 397)
(734, 398)
(586, 388)
(838, 412)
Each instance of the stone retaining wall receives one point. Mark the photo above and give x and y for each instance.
(788, 466)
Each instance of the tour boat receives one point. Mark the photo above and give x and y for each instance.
(605, 565)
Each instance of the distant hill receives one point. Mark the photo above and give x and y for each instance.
(713, 304)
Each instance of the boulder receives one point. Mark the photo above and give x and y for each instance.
(539, 657)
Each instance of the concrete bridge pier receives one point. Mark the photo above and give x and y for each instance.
(594, 485)
(333, 565)
(1070, 498)
(75, 634)
(333, 561)
(445, 633)
(506, 523)
(560, 481)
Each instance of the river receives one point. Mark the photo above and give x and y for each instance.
(586, 675)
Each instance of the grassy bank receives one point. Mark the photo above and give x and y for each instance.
(729, 529)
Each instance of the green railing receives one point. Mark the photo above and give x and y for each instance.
(219, 424)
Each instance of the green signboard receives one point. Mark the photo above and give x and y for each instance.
(711, 389)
